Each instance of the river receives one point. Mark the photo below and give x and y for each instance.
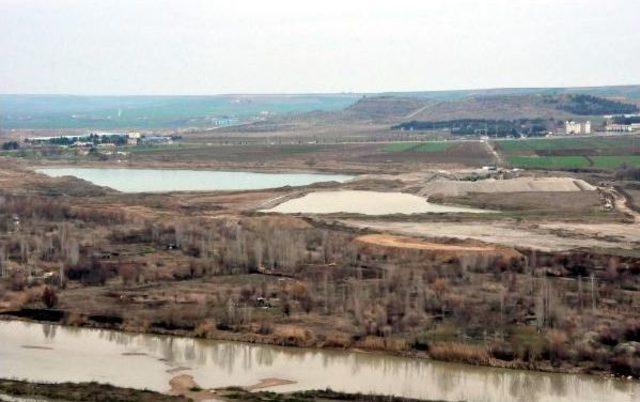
(52, 353)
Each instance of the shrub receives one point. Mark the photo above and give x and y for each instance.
(49, 297)
(205, 328)
(502, 350)
(459, 352)
(10, 145)
(625, 366)
(557, 344)
(632, 331)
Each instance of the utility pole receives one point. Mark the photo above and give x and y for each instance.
(593, 293)
(580, 306)
(62, 279)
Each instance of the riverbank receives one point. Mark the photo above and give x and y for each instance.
(51, 353)
(96, 392)
(450, 352)
(81, 392)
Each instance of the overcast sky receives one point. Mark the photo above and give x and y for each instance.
(258, 46)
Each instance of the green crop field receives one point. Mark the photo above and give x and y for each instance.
(549, 162)
(606, 162)
(419, 147)
(589, 145)
(615, 161)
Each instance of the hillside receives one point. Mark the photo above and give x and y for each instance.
(491, 107)
(387, 107)
(628, 92)
(152, 112)
(113, 112)
(494, 107)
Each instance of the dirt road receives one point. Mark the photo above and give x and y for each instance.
(620, 202)
(492, 151)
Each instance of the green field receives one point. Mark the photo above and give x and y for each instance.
(418, 147)
(589, 145)
(605, 153)
(549, 162)
(615, 161)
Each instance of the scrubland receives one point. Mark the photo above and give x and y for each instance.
(207, 265)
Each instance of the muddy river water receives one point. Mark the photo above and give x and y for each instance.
(43, 352)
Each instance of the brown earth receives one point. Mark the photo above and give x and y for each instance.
(439, 249)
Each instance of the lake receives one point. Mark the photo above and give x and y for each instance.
(166, 180)
(52, 353)
(366, 203)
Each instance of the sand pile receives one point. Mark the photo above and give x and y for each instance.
(521, 184)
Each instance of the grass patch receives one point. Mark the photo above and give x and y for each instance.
(614, 161)
(587, 144)
(418, 147)
(82, 392)
(549, 162)
(241, 395)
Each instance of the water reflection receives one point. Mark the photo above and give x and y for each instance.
(145, 361)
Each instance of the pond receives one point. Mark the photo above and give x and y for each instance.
(366, 203)
(166, 180)
(51, 353)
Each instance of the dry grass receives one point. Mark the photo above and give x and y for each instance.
(460, 352)
(292, 335)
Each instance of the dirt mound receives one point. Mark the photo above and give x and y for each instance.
(438, 248)
(456, 188)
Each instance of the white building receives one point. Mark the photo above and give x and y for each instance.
(133, 138)
(572, 127)
(619, 127)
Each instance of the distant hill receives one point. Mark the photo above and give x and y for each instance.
(509, 107)
(629, 92)
(150, 112)
(113, 112)
(491, 107)
(386, 107)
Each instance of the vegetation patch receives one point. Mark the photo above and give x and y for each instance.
(549, 162)
(614, 161)
(418, 147)
(83, 392)
(242, 395)
(592, 105)
(583, 145)
(497, 128)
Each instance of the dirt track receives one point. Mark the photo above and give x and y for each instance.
(545, 236)
(406, 242)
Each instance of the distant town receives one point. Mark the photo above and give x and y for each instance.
(92, 141)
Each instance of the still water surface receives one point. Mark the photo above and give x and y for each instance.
(165, 180)
(366, 203)
(42, 352)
